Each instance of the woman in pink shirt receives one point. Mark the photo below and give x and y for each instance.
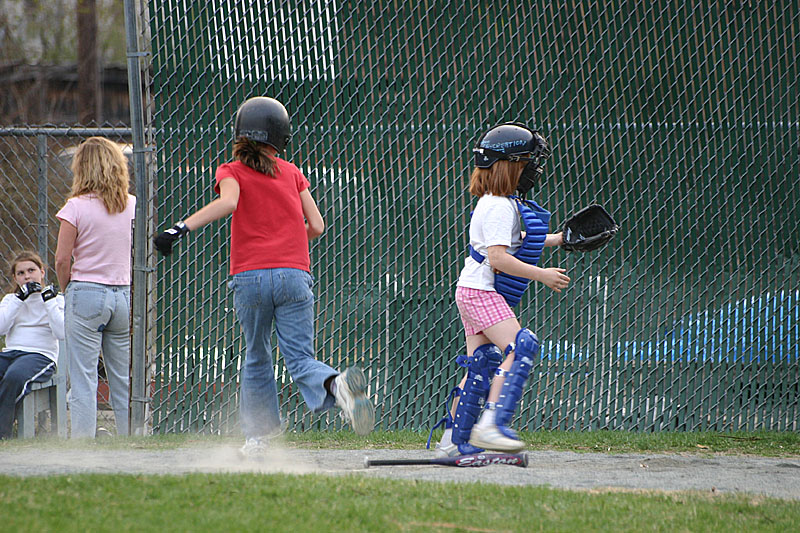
(93, 263)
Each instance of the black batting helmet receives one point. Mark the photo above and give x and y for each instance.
(265, 120)
(513, 141)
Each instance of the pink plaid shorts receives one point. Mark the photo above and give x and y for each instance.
(481, 309)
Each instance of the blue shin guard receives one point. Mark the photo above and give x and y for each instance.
(525, 349)
(480, 369)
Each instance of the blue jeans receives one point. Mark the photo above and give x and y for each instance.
(18, 369)
(97, 317)
(282, 296)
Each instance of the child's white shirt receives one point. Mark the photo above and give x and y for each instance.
(495, 222)
(32, 325)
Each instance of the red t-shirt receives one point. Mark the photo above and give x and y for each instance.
(268, 228)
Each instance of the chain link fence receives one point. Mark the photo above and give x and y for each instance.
(682, 118)
(35, 178)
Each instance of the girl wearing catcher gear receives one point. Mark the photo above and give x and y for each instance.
(502, 259)
(274, 218)
(32, 319)
(93, 265)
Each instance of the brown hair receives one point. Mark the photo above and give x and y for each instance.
(24, 255)
(500, 179)
(100, 167)
(254, 155)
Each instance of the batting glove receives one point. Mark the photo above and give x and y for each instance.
(26, 290)
(49, 292)
(166, 239)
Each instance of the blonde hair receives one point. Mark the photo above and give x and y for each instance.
(24, 255)
(501, 179)
(100, 167)
(254, 155)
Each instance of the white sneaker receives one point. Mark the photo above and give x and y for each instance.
(447, 450)
(490, 438)
(254, 448)
(351, 397)
(257, 447)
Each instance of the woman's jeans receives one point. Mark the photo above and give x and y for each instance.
(97, 317)
(282, 296)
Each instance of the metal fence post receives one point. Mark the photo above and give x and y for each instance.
(41, 150)
(138, 397)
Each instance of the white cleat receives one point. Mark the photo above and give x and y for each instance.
(490, 438)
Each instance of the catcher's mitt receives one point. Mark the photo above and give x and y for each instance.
(588, 229)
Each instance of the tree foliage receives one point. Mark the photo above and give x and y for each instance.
(44, 32)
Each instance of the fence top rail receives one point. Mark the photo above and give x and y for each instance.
(210, 130)
(63, 131)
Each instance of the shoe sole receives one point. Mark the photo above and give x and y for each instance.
(363, 411)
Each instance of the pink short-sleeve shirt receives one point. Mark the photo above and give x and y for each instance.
(102, 252)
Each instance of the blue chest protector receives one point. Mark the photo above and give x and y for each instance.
(535, 220)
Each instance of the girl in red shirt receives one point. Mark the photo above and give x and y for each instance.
(274, 218)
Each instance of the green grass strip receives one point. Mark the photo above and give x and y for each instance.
(277, 502)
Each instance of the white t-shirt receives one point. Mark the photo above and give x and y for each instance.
(495, 222)
(102, 249)
(33, 325)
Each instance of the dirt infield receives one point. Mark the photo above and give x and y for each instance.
(775, 477)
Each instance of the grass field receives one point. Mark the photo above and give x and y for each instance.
(318, 502)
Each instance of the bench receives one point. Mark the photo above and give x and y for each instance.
(50, 395)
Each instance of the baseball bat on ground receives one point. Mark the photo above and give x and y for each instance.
(478, 459)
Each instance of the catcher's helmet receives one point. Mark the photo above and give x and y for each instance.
(265, 120)
(513, 141)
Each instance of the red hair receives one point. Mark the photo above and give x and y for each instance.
(501, 179)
